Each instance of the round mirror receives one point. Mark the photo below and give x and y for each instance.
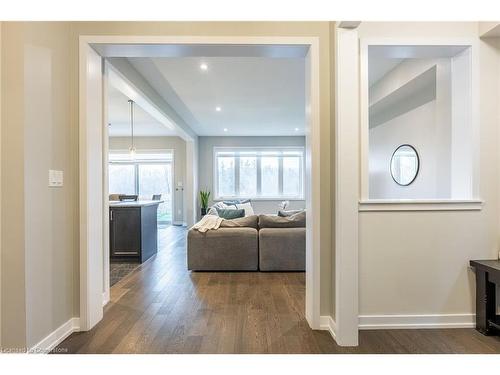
(404, 165)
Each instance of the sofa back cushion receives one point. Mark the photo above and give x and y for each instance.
(242, 222)
(297, 220)
(284, 213)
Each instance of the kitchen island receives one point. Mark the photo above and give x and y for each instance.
(133, 227)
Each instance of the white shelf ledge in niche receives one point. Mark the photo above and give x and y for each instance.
(380, 205)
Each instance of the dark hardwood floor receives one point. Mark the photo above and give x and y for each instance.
(162, 308)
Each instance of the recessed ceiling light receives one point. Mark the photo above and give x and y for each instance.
(203, 66)
(218, 109)
(225, 129)
(296, 129)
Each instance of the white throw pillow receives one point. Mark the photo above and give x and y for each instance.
(213, 210)
(247, 207)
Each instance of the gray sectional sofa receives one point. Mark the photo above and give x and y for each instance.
(264, 242)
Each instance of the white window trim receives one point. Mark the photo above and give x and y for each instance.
(143, 152)
(365, 203)
(218, 197)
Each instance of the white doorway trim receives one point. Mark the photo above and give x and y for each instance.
(347, 186)
(91, 173)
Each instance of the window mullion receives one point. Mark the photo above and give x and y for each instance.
(280, 175)
(136, 169)
(259, 176)
(237, 175)
(302, 178)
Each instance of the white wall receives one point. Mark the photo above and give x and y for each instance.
(178, 145)
(427, 128)
(0, 184)
(416, 128)
(41, 223)
(416, 263)
(63, 40)
(206, 171)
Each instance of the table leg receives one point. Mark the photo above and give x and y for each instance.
(485, 302)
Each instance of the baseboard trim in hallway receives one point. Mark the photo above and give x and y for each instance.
(56, 337)
(105, 298)
(417, 321)
(326, 323)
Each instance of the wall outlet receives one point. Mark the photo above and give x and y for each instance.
(56, 178)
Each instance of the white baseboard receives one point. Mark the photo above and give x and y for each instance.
(326, 323)
(417, 321)
(105, 298)
(56, 337)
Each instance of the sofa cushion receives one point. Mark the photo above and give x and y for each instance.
(287, 213)
(242, 222)
(282, 249)
(297, 220)
(227, 213)
(224, 249)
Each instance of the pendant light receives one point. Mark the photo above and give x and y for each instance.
(132, 146)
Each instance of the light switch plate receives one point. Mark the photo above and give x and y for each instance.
(56, 178)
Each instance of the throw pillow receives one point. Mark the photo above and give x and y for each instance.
(236, 201)
(247, 207)
(213, 210)
(228, 213)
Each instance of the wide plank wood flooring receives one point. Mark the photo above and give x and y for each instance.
(163, 308)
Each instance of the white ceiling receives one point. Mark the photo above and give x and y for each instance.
(119, 118)
(258, 96)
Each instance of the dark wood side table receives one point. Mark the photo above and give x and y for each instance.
(487, 277)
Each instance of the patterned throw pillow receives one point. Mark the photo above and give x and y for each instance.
(213, 210)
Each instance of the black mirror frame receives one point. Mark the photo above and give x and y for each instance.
(418, 164)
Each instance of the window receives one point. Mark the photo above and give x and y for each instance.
(122, 178)
(263, 173)
(225, 166)
(148, 174)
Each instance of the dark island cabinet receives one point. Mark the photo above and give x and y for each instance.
(133, 230)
